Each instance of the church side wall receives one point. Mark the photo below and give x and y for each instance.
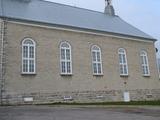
(49, 86)
(0, 34)
(0, 42)
(0, 60)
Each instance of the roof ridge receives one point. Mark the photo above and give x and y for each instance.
(72, 6)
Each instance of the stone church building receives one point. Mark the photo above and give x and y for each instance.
(51, 52)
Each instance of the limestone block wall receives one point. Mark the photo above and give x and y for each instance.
(0, 36)
(82, 97)
(47, 85)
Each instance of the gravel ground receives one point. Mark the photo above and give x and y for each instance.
(79, 113)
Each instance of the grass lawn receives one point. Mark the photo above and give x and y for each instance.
(152, 103)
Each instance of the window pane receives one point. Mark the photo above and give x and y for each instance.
(143, 53)
(147, 70)
(121, 51)
(31, 52)
(124, 58)
(62, 54)
(31, 65)
(25, 51)
(95, 68)
(120, 58)
(142, 60)
(99, 68)
(65, 45)
(25, 65)
(98, 57)
(125, 69)
(68, 67)
(68, 54)
(95, 48)
(145, 60)
(63, 67)
(28, 42)
(143, 69)
(94, 56)
(121, 69)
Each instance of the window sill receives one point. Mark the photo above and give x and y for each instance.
(63, 74)
(98, 75)
(28, 74)
(146, 75)
(31, 75)
(124, 75)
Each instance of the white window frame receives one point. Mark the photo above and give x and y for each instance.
(124, 62)
(144, 64)
(28, 59)
(96, 62)
(65, 60)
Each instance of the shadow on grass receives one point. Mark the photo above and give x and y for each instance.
(152, 103)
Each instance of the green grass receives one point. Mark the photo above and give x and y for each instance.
(152, 103)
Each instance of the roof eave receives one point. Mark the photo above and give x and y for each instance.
(77, 28)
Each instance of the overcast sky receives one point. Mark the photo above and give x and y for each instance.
(143, 14)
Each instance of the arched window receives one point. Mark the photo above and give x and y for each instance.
(144, 63)
(65, 58)
(28, 56)
(123, 66)
(96, 60)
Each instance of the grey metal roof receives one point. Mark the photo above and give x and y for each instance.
(59, 14)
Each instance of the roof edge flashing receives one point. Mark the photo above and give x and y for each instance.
(24, 1)
(85, 30)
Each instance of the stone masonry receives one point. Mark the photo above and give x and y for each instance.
(48, 86)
